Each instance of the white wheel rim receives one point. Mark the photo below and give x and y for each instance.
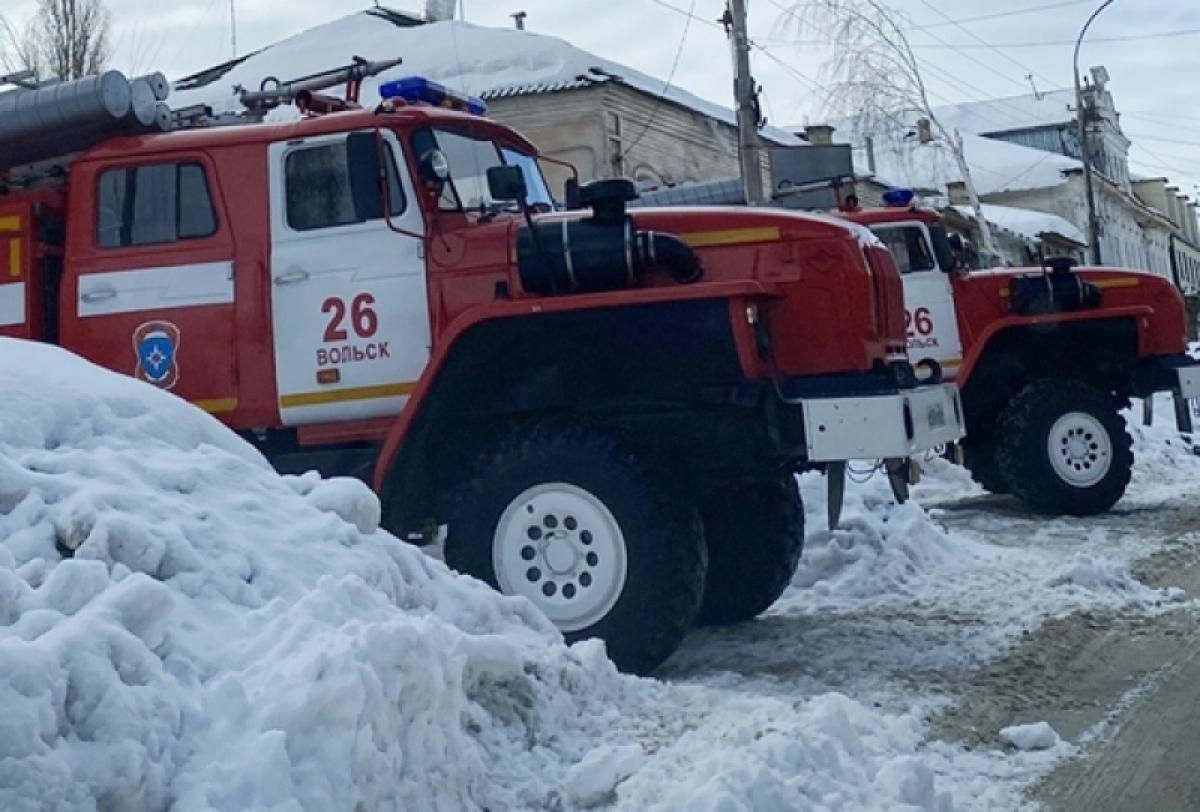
(1080, 449)
(560, 547)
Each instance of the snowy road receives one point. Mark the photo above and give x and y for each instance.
(910, 638)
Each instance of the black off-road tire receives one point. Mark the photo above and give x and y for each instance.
(1022, 436)
(755, 534)
(663, 537)
(979, 458)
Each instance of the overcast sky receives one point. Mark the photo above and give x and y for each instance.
(1154, 77)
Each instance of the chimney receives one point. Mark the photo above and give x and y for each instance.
(519, 19)
(957, 192)
(821, 134)
(924, 131)
(438, 11)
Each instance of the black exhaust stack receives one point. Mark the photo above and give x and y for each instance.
(602, 252)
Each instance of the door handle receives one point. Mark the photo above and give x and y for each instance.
(291, 277)
(98, 295)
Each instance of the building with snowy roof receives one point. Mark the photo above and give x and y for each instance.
(1143, 221)
(604, 117)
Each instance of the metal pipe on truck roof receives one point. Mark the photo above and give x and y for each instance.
(158, 83)
(143, 106)
(37, 114)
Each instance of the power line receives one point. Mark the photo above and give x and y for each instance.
(975, 36)
(1133, 135)
(997, 15)
(947, 77)
(1182, 32)
(687, 26)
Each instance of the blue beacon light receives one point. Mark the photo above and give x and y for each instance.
(419, 90)
(898, 197)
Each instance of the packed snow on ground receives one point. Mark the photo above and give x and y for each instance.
(181, 626)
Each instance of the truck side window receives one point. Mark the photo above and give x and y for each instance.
(153, 204)
(908, 247)
(318, 190)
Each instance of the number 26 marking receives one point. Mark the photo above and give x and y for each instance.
(363, 318)
(920, 319)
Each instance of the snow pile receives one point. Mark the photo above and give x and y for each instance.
(1087, 573)
(823, 753)
(879, 547)
(1164, 461)
(224, 638)
(1036, 736)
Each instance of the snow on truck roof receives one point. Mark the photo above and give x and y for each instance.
(487, 62)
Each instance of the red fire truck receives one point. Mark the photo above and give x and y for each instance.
(1045, 358)
(604, 410)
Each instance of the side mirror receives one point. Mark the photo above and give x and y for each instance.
(571, 195)
(506, 183)
(362, 162)
(434, 167)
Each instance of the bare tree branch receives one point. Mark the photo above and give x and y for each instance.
(18, 48)
(71, 37)
(874, 77)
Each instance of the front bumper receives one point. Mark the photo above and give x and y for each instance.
(1167, 373)
(888, 425)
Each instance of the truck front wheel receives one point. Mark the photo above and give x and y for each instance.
(755, 534)
(564, 517)
(1062, 447)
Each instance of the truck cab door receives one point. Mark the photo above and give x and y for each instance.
(349, 305)
(149, 283)
(931, 322)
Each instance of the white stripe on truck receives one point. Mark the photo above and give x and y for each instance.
(12, 304)
(113, 292)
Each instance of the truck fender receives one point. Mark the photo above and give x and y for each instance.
(531, 308)
(980, 343)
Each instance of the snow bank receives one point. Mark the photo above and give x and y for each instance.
(224, 638)
(827, 752)
(1164, 461)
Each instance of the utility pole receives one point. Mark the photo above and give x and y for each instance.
(1081, 125)
(746, 95)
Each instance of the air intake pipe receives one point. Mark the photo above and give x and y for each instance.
(602, 252)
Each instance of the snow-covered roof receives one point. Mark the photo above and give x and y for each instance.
(1026, 223)
(996, 166)
(1011, 113)
(479, 61)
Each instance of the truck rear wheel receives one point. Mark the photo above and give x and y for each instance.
(1063, 447)
(564, 517)
(755, 534)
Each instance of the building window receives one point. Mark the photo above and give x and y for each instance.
(153, 204)
(616, 144)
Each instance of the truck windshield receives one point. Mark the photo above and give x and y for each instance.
(469, 159)
(908, 246)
